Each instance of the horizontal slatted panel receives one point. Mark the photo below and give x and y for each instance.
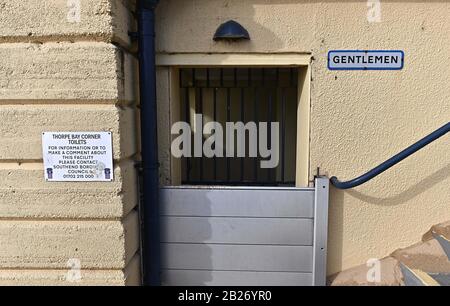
(273, 231)
(236, 257)
(237, 202)
(233, 278)
(237, 236)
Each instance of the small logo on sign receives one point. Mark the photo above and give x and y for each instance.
(49, 173)
(107, 174)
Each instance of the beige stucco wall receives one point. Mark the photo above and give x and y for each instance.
(57, 75)
(358, 118)
(61, 76)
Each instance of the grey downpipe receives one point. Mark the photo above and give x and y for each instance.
(149, 143)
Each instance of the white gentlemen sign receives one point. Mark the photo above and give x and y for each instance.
(366, 59)
(77, 156)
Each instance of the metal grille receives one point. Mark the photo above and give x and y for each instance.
(241, 94)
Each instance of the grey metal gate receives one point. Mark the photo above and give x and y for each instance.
(217, 235)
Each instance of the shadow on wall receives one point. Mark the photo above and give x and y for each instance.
(337, 198)
(335, 229)
(242, 12)
(189, 26)
(246, 16)
(407, 194)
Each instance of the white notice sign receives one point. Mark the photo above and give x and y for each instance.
(77, 156)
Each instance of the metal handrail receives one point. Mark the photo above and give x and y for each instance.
(392, 161)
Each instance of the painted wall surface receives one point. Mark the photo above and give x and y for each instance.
(358, 118)
(60, 73)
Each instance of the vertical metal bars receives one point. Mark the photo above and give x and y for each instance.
(244, 94)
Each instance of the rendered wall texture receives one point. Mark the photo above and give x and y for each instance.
(358, 118)
(66, 76)
(57, 74)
